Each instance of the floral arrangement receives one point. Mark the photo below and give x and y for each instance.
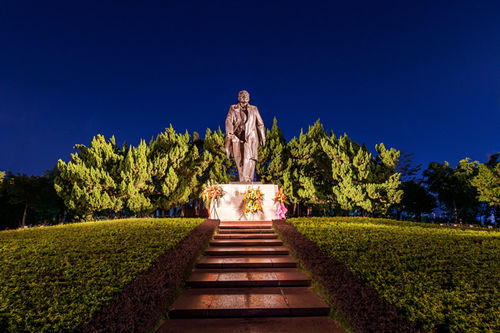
(280, 200)
(211, 193)
(253, 200)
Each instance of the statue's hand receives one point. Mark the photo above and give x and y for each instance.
(263, 142)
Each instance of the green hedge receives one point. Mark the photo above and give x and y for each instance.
(436, 275)
(55, 278)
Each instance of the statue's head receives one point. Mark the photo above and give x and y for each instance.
(243, 97)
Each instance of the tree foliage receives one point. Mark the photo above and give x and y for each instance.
(89, 183)
(361, 182)
(487, 181)
(454, 189)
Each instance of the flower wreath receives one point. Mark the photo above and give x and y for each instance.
(253, 201)
(280, 200)
(211, 193)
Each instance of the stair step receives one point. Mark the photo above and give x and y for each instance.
(243, 250)
(246, 242)
(248, 302)
(246, 231)
(247, 262)
(245, 226)
(209, 278)
(262, 324)
(246, 236)
(246, 223)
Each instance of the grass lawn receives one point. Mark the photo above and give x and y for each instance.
(55, 278)
(435, 275)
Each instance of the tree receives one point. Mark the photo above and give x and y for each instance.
(22, 189)
(383, 188)
(174, 168)
(405, 167)
(361, 182)
(454, 189)
(2, 176)
(416, 199)
(29, 198)
(216, 167)
(273, 157)
(487, 183)
(136, 186)
(89, 183)
(308, 169)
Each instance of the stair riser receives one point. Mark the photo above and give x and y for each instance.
(257, 227)
(249, 236)
(233, 284)
(260, 312)
(246, 231)
(243, 243)
(248, 265)
(247, 252)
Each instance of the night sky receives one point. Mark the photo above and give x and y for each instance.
(420, 76)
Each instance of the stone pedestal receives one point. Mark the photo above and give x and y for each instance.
(230, 206)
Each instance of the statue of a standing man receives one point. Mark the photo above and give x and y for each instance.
(244, 131)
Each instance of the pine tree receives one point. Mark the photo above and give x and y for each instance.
(89, 183)
(136, 186)
(361, 182)
(216, 167)
(174, 168)
(384, 188)
(273, 157)
(487, 182)
(350, 168)
(309, 169)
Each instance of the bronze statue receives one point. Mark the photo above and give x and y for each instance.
(244, 132)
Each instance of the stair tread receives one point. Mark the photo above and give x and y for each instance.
(264, 301)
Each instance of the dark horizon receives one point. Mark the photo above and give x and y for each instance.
(422, 78)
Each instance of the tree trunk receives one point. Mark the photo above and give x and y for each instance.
(418, 216)
(23, 223)
(183, 210)
(196, 208)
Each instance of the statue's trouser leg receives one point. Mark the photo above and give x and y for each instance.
(248, 170)
(238, 158)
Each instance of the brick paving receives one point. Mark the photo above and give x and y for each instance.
(247, 282)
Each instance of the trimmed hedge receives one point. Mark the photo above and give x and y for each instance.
(142, 303)
(438, 277)
(57, 278)
(359, 303)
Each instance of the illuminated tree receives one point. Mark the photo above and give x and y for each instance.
(361, 182)
(174, 168)
(487, 183)
(89, 183)
(136, 186)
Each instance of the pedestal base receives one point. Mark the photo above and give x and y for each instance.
(230, 206)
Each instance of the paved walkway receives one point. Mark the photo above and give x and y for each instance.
(247, 282)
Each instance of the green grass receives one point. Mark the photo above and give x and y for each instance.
(435, 275)
(55, 278)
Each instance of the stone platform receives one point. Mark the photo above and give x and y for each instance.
(230, 206)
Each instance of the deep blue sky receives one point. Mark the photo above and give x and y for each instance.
(420, 76)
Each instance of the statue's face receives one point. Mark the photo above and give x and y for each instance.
(244, 98)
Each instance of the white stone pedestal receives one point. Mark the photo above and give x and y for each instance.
(230, 206)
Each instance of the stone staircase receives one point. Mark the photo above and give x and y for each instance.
(246, 272)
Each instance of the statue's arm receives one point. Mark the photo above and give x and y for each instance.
(260, 127)
(229, 124)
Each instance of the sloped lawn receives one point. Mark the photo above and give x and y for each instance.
(55, 278)
(435, 275)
